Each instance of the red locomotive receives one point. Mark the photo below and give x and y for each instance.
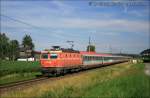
(60, 61)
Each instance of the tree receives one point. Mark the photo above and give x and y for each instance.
(4, 46)
(8, 49)
(27, 42)
(91, 48)
(14, 49)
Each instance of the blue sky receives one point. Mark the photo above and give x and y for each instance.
(113, 28)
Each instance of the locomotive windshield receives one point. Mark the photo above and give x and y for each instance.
(53, 56)
(44, 56)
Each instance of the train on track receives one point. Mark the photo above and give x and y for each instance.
(60, 61)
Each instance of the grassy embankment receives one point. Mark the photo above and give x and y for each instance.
(122, 80)
(11, 71)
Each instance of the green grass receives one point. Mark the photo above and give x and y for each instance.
(130, 86)
(117, 81)
(11, 67)
(132, 83)
(11, 71)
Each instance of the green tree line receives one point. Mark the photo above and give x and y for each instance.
(9, 49)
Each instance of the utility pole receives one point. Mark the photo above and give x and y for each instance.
(120, 51)
(110, 49)
(89, 43)
(90, 47)
(71, 43)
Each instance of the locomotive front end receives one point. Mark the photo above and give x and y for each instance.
(49, 61)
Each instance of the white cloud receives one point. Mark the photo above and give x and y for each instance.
(111, 25)
(63, 8)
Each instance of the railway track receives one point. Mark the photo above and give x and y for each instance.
(16, 85)
(27, 83)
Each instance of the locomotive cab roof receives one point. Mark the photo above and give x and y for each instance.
(57, 49)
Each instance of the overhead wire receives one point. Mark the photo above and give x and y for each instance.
(20, 21)
(28, 24)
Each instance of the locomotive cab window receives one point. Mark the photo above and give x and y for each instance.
(53, 56)
(44, 56)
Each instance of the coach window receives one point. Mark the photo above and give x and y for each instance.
(89, 58)
(94, 57)
(86, 57)
(100, 58)
(97, 58)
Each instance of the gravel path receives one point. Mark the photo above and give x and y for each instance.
(147, 68)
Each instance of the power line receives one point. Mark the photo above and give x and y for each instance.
(30, 25)
(22, 22)
(19, 21)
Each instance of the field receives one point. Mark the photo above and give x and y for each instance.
(11, 71)
(121, 80)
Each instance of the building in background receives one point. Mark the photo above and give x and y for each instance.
(25, 54)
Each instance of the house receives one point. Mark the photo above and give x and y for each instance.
(25, 52)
